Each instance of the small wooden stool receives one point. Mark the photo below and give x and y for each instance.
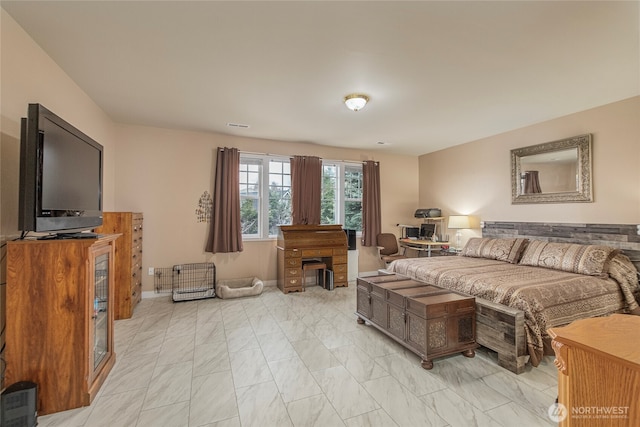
(320, 267)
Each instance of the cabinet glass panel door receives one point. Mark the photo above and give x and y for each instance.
(100, 309)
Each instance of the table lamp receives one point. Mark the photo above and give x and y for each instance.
(458, 222)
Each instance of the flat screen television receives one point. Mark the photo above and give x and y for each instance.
(60, 175)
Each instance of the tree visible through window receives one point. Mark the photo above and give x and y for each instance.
(329, 191)
(264, 178)
(279, 194)
(353, 198)
(342, 195)
(250, 174)
(265, 194)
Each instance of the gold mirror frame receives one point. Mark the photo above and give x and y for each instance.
(584, 190)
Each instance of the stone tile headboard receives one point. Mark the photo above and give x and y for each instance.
(620, 236)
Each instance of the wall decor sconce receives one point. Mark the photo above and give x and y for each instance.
(205, 206)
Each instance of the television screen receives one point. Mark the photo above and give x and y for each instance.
(70, 179)
(60, 175)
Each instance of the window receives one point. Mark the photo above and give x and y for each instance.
(342, 194)
(279, 194)
(264, 178)
(250, 174)
(265, 194)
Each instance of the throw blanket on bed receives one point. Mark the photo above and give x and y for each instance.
(549, 298)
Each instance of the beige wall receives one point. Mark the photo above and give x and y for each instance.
(163, 173)
(29, 75)
(160, 172)
(474, 178)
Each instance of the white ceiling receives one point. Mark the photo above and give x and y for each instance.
(438, 73)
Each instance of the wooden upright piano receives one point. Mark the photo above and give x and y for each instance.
(299, 242)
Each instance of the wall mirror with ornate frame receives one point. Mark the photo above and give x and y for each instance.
(553, 172)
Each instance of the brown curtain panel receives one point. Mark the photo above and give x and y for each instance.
(531, 182)
(306, 189)
(371, 221)
(226, 232)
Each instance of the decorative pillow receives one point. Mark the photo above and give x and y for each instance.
(592, 260)
(508, 250)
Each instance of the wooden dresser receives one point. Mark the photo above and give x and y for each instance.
(128, 259)
(598, 360)
(60, 318)
(298, 242)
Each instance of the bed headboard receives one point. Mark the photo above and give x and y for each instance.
(621, 236)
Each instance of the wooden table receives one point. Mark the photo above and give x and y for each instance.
(598, 360)
(421, 245)
(430, 321)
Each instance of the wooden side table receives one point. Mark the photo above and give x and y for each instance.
(598, 360)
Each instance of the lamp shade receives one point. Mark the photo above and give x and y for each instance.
(355, 101)
(458, 222)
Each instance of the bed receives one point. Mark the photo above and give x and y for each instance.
(523, 286)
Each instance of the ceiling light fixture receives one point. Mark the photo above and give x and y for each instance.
(356, 101)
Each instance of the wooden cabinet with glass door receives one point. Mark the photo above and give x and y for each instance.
(60, 331)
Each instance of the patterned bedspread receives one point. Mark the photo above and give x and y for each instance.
(549, 298)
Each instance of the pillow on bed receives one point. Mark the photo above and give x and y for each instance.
(508, 250)
(592, 260)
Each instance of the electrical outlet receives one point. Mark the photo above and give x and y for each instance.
(151, 271)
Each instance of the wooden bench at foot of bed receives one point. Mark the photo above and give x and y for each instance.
(501, 329)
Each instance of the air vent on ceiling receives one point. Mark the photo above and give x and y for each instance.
(238, 125)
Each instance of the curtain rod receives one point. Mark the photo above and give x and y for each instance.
(287, 155)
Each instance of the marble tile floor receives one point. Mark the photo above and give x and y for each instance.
(295, 360)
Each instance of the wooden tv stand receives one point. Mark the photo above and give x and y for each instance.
(60, 318)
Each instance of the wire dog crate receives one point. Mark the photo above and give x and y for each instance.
(187, 281)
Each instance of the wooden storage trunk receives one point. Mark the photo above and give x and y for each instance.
(441, 324)
(363, 290)
(379, 306)
(396, 304)
(428, 320)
